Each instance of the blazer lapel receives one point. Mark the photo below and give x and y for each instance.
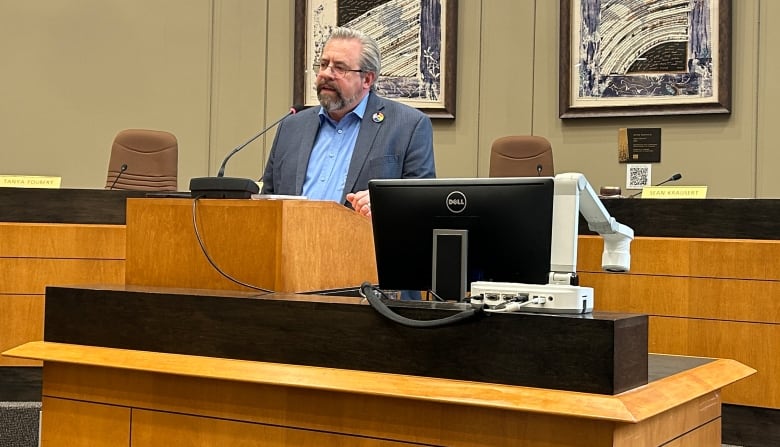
(365, 140)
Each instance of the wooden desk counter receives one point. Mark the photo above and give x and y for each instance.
(705, 272)
(704, 297)
(53, 236)
(159, 398)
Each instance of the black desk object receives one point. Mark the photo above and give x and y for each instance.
(696, 218)
(73, 206)
(602, 353)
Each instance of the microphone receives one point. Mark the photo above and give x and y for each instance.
(221, 187)
(293, 110)
(539, 169)
(673, 178)
(122, 170)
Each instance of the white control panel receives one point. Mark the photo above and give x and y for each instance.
(518, 297)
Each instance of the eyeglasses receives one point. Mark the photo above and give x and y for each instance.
(338, 71)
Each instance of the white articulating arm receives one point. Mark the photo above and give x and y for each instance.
(574, 195)
(562, 294)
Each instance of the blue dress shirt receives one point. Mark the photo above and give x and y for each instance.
(329, 161)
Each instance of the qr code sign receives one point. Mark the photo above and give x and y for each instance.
(637, 176)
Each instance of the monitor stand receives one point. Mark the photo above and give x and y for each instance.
(449, 257)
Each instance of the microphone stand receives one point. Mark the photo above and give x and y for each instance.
(122, 170)
(221, 187)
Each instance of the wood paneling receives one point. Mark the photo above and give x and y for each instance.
(35, 255)
(676, 296)
(62, 241)
(32, 275)
(151, 429)
(753, 344)
(705, 297)
(281, 245)
(687, 257)
(709, 434)
(699, 420)
(162, 249)
(21, 320)
(70, 423)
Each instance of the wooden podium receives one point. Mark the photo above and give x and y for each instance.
(145, 366)
(130, 367)
(95, 396)
(280, 245)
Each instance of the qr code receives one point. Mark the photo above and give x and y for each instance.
(638, 176)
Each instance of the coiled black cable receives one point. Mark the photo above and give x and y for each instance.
(374, 296)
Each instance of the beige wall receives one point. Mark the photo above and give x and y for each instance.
(216, 71)
(75, 73)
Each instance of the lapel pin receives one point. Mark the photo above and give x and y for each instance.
(378, 117)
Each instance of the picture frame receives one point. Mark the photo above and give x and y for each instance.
(424, 78)
(649, 62)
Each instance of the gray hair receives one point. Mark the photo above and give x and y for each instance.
(370, 56)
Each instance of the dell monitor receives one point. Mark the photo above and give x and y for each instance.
(443, 234)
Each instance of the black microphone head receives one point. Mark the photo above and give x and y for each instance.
(122, 169)
(676, 177)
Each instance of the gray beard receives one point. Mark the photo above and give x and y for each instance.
(336, 103)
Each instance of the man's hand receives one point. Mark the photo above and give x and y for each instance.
(360, 202)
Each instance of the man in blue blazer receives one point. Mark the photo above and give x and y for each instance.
(332, 151)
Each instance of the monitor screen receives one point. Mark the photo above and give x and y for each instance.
(443, 234)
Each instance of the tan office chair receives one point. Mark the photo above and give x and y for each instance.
(521, 156)
(145, 160)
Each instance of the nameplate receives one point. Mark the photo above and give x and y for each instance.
(29, 181)
(674, 192)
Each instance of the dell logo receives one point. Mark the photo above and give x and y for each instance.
(456, 202)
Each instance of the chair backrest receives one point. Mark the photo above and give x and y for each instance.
(150, 158)
(521, 156)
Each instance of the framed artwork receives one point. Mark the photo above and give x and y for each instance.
(417, 39)
(644, 57)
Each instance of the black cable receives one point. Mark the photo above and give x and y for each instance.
(208, 257)
(368, 291)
